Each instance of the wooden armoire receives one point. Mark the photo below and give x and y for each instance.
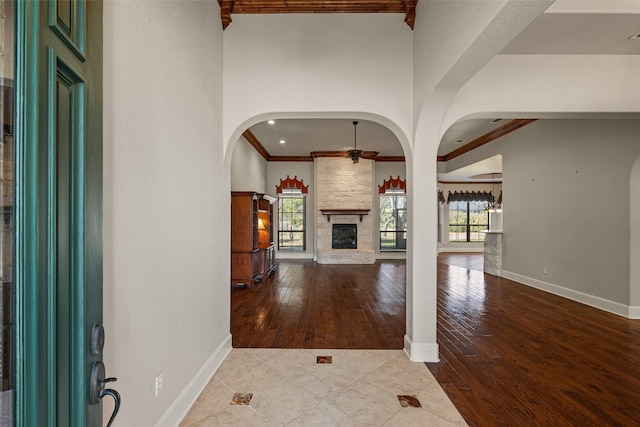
(252, 245)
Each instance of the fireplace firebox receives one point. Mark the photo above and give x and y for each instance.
(344, 236)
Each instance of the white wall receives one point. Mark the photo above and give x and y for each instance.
(566, 188)
(166, 193)
(304, 172)
(318, 65)
(384, 170)
(248, 169)
(550, 86)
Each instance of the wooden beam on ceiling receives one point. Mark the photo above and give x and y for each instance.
(486, 138)
(228, 7)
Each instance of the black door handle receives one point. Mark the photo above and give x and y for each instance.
(97, 389)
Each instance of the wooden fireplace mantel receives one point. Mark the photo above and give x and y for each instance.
(359, 212)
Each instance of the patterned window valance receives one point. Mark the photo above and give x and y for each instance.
(393, 183)
(441, 196)
(289, 183)
(470, 196)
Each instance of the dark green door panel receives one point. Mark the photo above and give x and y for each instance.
(59, 210)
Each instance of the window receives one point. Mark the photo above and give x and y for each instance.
(291, 221)
(292, 195)
(393, 215)
(466, 221)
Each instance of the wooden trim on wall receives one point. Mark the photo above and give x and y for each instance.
(371, 155)
(487, 138)
(389, 158)
(470, 182)
(251, 138)
(227, 7)
(290, 159)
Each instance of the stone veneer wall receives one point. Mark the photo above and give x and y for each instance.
(341, 184)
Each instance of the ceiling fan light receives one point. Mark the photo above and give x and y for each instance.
(355, 154)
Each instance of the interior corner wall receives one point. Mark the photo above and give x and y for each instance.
(166, 187)
(304, 171)
(248, 169)
(566, 204)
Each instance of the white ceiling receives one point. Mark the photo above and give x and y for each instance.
(302, 136)
(589, 27)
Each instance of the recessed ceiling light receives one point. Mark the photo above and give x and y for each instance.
(282, 141)
(459, 141)
(635, 37)
(271, 122)
(496, 120)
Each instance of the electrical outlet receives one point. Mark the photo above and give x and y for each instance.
(159, 383)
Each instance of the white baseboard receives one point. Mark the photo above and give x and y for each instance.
(461, 248)
(187, 398)
(634, 312)
(288, 255)
(421, 352)
(391, 255)
(581, 297)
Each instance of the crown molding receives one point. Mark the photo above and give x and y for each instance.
(369, 155)
(228, 7)
(487, 138)
(251, 138)
(291, 159)
(389, 158)
(503, 130)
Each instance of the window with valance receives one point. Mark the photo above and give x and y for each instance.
(468, 216)
(292, 214)
(393, 214)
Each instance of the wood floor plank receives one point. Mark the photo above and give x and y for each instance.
(509, 354)
(323, 306)
(539, 359)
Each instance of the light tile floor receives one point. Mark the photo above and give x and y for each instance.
(290, 388)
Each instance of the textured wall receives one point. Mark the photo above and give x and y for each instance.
(341, 184)
(166, 205)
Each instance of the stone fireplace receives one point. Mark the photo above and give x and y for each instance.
(344, 194)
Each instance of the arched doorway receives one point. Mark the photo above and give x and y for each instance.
(316, 163)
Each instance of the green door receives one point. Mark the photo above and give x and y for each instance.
(58, 213)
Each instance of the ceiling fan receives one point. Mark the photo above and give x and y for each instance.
(356, 154)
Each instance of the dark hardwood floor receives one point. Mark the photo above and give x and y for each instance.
(510, 355)
(309, 305)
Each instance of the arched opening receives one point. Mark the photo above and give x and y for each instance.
(340, 191)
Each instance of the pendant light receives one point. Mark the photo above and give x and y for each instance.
(493, 206)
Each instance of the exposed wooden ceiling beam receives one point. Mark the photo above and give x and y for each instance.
(486, 138)
(228, 7)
